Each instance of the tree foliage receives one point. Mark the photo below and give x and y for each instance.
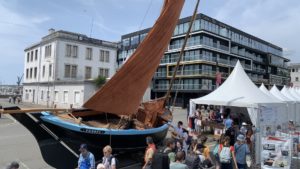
(100, 81)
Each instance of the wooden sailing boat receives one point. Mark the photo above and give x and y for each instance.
(114, 115)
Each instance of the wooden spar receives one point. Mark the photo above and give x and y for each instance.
(2, 111)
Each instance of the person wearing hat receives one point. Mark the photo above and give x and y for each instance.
(86, 159)
(243, 129)
(241, 151)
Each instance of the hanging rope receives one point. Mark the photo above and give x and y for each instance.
(180, 57)
(109, 129)
(150, 4)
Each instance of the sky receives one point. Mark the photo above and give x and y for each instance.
(25, 22)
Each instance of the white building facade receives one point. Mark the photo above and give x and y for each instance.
(295, 74)
(61, 68)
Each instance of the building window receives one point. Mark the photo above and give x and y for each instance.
(44, 69)
(88, 72)
(31, 56)
(70, 71)
(56, 96)
(125, 42)
(101, 55)
(27, 73)
(89, 53)
(50, 70)
(68, 50)
(35, 72)
(36, 54)
(134, 40)
(48, 51)
(104, 72)
(107, 56)
(28, 56)
(74, 51)
(297, 79)
(76, 97)
(42, 95)
(71, 51)
(66, 97)
(30, 73)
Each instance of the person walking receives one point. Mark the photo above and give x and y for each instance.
(241, 151)
(227, 155)
(216, 151)
(108, 160)
(170, 143)
(86, 159)
(178, 164)
(149, 153)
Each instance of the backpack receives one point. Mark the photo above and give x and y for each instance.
(192, 160)
(110, 160)
(225, 155)
(160, 160)
(216, 150)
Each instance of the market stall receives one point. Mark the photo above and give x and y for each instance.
(239, 91)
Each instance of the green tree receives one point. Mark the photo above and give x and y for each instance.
(100, 81)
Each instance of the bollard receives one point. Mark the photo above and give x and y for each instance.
(0, 113)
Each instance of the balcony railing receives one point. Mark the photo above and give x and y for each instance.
(184, 87)
(197, 72)
(199, 42)
(259, 70)
(190, 58)
(194, 72)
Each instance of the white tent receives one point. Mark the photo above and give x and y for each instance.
(291, 105)
(288, 108)
(294, 93)
(287, 93)
(239, 91)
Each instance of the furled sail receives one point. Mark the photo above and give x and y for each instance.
(123, 93)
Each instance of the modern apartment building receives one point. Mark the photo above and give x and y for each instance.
(61, 67)
(295, 74)
(212, 51)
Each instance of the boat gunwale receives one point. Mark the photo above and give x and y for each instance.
(47, 117)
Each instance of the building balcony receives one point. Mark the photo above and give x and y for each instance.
(200, 57)
(259, 70)
(199, 42)
(184, 87)
(197, 72)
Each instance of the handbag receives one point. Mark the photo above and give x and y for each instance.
(248, 160)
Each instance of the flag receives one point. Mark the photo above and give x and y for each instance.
(218, 78)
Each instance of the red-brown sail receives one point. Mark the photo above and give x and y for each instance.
(123, 93)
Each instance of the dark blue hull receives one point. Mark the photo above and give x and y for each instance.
(56, 141)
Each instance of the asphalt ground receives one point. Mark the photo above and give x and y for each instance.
(18, 144)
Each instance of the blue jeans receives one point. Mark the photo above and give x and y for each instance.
(241, 166)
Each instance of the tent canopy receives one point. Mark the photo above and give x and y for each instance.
(287, 93)
(238, 90)
(274, 91)
(267, 92)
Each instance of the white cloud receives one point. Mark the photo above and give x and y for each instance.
(275, 21)
(16, 31)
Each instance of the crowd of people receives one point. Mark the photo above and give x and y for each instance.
(87, 160)
(233, 149)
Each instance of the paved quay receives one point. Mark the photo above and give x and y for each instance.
(18, 144)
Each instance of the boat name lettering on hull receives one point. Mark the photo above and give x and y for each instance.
(91, 131)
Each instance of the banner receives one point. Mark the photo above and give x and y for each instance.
(276, 152)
